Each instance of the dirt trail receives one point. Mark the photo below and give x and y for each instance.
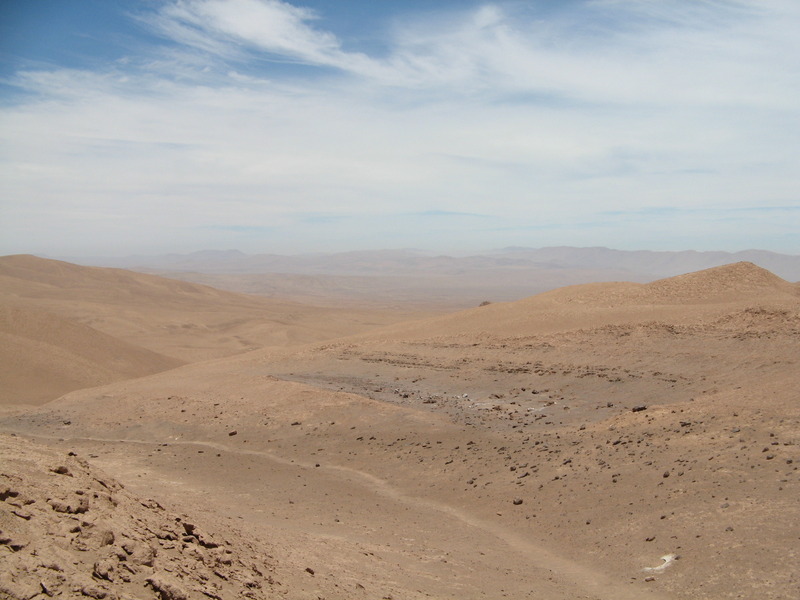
(596, 585)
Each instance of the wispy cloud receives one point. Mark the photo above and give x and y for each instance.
(530, 116)
(242, 29)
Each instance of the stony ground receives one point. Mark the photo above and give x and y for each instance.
(69, 530)
(605, 442)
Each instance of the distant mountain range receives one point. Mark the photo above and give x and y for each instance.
(640, 265)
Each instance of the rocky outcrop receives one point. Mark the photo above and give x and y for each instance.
(68, 530)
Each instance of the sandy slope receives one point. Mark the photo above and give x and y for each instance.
(65, 327)
(556, 447)
(182, 320)
(368, 523)
(689, 298)
(43, 356)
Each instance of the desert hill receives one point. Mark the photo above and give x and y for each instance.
(183, 320)
(65, 326)
(605, 441)
(43, 356)
(727, 328)
(683, 299)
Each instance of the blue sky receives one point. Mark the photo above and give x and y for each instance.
(455, 126)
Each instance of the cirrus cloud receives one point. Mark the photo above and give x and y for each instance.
(578, 123)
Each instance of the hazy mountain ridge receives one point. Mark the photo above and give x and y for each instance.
(641, 264)
(659, 264)
(408, 277)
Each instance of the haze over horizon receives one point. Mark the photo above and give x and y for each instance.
(319, 126)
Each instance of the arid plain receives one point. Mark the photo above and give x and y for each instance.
(164, 439)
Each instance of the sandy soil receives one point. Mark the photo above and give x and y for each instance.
(555, 447)
(43, 355)
(185, 321)
(66, 327)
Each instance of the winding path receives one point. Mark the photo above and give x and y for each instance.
(592, 582)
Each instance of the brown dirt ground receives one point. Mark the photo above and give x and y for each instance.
(555, 447)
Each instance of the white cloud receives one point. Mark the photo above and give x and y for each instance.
(539, 122)
(602, 51)
(233, 28)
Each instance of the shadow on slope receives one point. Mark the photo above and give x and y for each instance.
(44, 356)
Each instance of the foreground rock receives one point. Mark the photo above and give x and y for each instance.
(68, 530)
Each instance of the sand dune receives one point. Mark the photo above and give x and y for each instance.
(554, 447)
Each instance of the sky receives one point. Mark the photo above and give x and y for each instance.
(155, 126)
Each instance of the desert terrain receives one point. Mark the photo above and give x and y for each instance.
(67, 327)
(623, 440)
(424, 280)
